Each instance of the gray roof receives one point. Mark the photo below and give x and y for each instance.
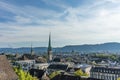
(6, 70)
(58, 66)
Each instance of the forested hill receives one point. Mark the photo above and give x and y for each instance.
(110, 47)
(106, 47)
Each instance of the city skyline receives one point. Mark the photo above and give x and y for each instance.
(70, 22)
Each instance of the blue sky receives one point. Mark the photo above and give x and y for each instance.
(71, 22)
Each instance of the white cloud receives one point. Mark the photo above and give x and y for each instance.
(56, 3)
(86, 24)
(114, 1)
(20, 19)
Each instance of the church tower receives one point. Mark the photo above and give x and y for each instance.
(49, 49)
(32, 52)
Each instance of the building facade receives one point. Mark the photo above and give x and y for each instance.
(41, 66)
(26, 64)
(105, 73)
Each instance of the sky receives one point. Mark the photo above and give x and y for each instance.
(71, 22)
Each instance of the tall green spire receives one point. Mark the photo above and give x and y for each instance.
(49, 44)
(31, 49)
(32, 53)
(49, 49)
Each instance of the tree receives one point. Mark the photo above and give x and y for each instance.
(53, 74)
(69, 59)
(85, 74)
(80, 73)
(22, 75)
(118, 78)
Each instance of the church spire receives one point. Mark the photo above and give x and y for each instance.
(49, 44)
(49, 49)
(32, 53)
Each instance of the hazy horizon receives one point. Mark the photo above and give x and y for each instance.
(33, 45)
(71, 22)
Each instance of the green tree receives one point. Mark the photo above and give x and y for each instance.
(85, 74)
(53, 74)
(118, 78)
(80, 73)
(69, 59)
(22, 75)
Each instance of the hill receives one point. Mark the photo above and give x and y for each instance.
(112, 47)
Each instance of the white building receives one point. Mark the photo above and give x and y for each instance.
(41, 66)
(105, 73)
(26, 64)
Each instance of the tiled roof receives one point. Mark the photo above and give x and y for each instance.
(58, 66)
(6, 70)
(27, 57)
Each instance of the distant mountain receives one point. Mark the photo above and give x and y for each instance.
(112, 47)
(106, 47)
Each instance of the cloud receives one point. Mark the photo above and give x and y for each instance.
(28, 13)
(92, 23)
(22, 20)
(113, 1)
(56, 3)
